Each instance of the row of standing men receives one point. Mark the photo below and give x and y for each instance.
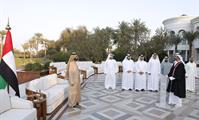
(142, 76)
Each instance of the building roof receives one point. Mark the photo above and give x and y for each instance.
(195, 20)
(181, 18)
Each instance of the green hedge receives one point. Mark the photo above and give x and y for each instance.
(37, 66)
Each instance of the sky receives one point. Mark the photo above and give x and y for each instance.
(51, 17)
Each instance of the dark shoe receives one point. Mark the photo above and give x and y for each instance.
(156, 91)
(142, 90)
(150, 91)
(130, 89)
(137, 90)
(77, 105)
(122, 89)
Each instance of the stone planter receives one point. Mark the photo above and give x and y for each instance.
(26, 76)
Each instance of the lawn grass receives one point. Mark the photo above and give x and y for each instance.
(21, 62)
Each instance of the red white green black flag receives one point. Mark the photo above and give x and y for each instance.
(7, 66)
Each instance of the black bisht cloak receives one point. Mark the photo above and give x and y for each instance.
(178, 85)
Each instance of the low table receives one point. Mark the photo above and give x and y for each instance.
(39, 102)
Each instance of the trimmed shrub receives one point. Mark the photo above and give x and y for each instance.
(28, 67)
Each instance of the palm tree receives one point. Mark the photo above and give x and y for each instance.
(25, 47)
(175, 39)
(140, 31)
(190, 36)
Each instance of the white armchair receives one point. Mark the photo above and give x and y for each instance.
(100, 67)
(61, 67)
(86, 68)
(12, 108)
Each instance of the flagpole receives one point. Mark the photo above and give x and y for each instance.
(2, 33)
(8, 28)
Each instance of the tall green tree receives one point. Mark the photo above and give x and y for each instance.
(99, 42)
(25, 47)
(157, 44)
(65, 38)
(140, 32)
(190, 36)
(175, 39)
(129, 36)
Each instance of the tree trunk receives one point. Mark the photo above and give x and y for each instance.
(190, 50)
(45, 53)
(24, 56)
(176, 48)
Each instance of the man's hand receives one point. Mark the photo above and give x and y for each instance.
(171, 78)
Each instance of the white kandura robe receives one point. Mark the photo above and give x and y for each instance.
(140, 80)
(154, 70)
(110, 70)
(165, 68)
(191, 73)
(127, 78)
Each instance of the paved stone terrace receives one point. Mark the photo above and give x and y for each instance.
(97, 103)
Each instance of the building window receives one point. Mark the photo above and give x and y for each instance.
(183, 41)
(197, 55)
(172, 32)
(197, 28)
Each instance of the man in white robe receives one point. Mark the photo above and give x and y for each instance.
(141, 70)
(110, 70)
(165, 66)
(191, 75)
(127, 76)
(154, 73)
(165, 69)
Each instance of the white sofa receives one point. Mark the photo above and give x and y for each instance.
(100, 67)
(55, 89)
(61, 67)
(15, 108)
(119, 64)
(86, 66)
(197, 71)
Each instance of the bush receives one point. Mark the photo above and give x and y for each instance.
(28, 67)
(51, 51)
(60, 57)
(119, 54)
(45, 65)
(36, 67)
(33, 67)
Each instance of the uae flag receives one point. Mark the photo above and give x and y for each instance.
(7, 65)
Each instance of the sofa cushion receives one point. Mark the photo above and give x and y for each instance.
(4, 101)
(83, 65)
(36, 84)
(19, 114)
(22, 90)
(49, 81)
(19, 103)
(55, 92)
(53, 106)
